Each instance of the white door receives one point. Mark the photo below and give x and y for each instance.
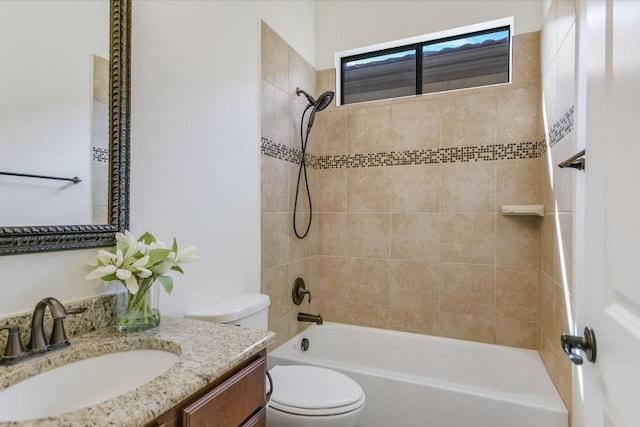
(608, 211)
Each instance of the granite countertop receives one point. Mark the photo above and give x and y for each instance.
(206, 351)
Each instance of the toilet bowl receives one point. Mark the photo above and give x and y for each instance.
(302, 396)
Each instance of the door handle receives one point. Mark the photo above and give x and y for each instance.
(586, 343)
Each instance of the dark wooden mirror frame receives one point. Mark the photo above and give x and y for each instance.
(29, 239)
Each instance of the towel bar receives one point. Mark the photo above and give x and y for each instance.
(75, 179)
(576, 161)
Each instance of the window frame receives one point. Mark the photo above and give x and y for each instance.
(418, 43)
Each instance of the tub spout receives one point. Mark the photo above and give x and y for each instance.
(304, 317)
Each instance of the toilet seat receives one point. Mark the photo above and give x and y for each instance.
(314, 391)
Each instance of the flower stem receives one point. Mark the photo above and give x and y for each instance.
(138, 314)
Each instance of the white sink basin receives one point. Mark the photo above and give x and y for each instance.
(83, 383)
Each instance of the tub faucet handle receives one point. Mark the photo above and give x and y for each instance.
(303, 292)
(299, 291)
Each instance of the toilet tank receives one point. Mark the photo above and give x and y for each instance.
(248, 310)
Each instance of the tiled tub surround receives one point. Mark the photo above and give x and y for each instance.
(206, 351)
(405, 247)
(513, 151)
(561, 128)
(406, 195)
(556, 253)
(557, 191)
(283, 256)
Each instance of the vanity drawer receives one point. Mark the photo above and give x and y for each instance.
(258, 420)
(232, 402)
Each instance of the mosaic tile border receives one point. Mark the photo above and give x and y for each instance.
(270, 148)
(561, 128)
(557, 131)
(511, 151)
(100, 155)
(542, 147)
(475, 153)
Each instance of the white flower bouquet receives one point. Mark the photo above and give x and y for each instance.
(137, 264)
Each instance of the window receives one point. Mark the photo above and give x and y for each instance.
(477, 55)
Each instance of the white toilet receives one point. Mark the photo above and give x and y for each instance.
(303, 396)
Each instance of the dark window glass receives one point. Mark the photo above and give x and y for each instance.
(388, 75)
(467, 60)
(470, 61)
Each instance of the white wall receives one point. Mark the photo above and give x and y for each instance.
(195, 154)
(294, 21)
(195, 150)
(348, 24)
(195, 169)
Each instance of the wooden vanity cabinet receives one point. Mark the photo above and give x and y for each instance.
(235, 399)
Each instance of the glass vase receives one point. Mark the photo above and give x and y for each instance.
(139, 311)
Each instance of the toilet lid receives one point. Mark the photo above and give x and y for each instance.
(311, 390)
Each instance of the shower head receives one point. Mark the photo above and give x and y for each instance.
(324, 100)
(314, 106)
(321, 103)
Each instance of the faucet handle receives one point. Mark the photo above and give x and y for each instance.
(13, 350)
(299, 290)
(58, 336)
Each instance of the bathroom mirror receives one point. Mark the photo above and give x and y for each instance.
(54, 232)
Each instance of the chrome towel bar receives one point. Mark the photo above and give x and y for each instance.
(576, 161)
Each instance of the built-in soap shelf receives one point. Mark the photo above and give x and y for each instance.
(531, 210)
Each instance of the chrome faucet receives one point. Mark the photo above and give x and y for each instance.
(305, 317)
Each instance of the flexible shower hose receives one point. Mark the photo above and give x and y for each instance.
(302, 171)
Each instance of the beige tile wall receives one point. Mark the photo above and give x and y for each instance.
(419, 248)
(557, 188)
(422, 248)
(283, 256)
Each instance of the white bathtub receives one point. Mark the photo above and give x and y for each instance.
(420, 380)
